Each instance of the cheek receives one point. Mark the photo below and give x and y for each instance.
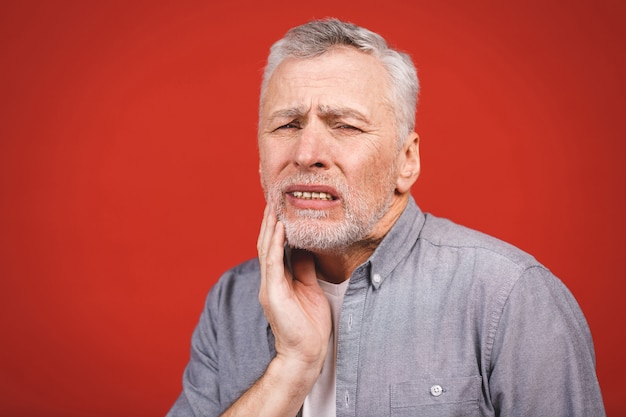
(266, 158)
(380, 175)
(275, 163)
(267, 168)
(266, 176)
(270, 168)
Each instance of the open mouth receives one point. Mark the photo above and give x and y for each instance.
(312, 195)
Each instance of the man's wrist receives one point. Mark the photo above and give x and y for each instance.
(279, 392)
(294, 376)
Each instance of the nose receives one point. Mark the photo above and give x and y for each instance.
(312, 150)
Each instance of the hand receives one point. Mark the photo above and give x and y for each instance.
(299, 313)
(296, 307)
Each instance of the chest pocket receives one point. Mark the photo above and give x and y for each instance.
(436, 397)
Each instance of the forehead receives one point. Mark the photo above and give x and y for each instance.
(342, 77)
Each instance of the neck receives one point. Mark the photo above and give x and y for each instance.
(338, 265)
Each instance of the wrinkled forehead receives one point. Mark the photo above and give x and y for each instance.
(341, 78)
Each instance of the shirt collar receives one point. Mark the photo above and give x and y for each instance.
(397, 244)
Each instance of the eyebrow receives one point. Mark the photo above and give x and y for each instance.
(288, 113)
(335, 112)
(325, 111)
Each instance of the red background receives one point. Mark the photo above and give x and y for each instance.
(128, 170)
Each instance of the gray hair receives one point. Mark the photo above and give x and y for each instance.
(317, 37)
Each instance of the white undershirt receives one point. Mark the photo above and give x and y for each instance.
(321, 400)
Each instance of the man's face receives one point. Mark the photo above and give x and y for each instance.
(327, 144)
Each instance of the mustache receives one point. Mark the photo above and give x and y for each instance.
(312, 179)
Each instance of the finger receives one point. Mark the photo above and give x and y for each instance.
(263, 230)
(262, 250)
(275, 279)
(265, 236)
(274, 285)
(274, 260)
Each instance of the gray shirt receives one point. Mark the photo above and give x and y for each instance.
(440, 321)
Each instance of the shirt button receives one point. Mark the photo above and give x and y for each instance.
(376, 278)
(436, 390)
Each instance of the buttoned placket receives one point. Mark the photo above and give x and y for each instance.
(349, 340)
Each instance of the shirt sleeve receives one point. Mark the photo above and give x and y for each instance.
(200, 395)
(543, 360)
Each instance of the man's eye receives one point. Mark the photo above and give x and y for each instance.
(290, 125)
(349, 127)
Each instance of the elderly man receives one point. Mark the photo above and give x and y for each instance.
(359, 304)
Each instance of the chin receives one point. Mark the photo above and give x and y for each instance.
(322, 235)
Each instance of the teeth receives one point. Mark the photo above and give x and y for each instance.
(312, 196)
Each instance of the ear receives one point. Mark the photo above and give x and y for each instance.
(409, 160)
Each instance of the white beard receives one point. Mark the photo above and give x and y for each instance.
(313, 230)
